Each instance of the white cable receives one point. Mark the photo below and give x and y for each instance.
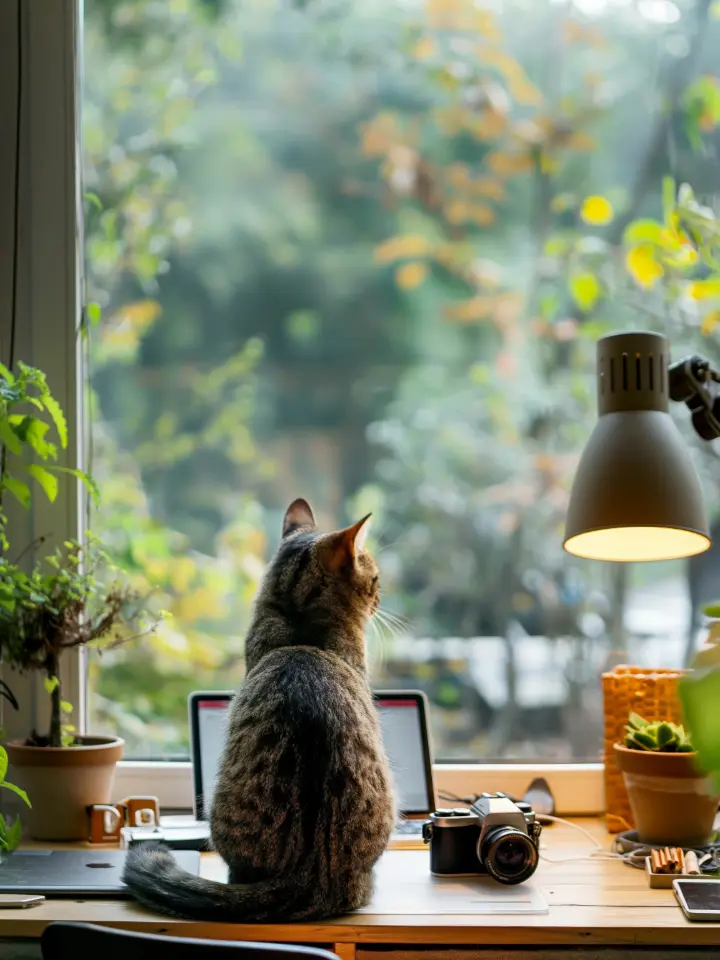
(597, 851)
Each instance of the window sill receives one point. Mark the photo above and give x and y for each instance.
(577, 787)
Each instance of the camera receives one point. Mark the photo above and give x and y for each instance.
(496, 837)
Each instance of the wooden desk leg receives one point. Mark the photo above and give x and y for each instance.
(346, 951)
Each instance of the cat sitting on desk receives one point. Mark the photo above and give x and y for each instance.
(304, 804)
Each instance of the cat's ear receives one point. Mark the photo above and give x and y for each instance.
(298, 516)
(341, 548)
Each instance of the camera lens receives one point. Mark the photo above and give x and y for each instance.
(509, 855)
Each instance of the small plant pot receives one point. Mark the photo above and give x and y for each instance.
(62, 781)
(671, 799)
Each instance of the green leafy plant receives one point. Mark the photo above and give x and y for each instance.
(33, 431)
(658, 737)
(699, 690)
(10, 835)
(67, 600)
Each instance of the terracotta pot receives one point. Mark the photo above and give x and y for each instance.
(62, 781)
(671, 799)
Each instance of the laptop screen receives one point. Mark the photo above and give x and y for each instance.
(404, 731)
(404, 736)
(212, 718)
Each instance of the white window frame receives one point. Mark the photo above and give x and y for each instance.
(577, 788)
(50, 258)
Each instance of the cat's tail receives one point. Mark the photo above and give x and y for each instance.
(158, 882)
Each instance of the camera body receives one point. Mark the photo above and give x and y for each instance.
(496, 837)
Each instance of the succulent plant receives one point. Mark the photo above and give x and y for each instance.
(660, 736)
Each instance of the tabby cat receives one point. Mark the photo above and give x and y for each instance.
(304, 802)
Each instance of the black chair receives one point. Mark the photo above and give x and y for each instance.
(63, 941)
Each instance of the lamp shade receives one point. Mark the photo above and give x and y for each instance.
(636, 495)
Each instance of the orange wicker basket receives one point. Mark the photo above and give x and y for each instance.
(653, 694)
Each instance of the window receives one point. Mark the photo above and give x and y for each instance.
(362, 253)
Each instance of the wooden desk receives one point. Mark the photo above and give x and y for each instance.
(593, 903)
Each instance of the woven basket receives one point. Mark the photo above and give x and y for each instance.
(652, 694)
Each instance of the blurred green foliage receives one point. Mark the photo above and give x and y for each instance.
(362, 254)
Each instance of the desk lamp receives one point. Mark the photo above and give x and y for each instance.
(636, 495)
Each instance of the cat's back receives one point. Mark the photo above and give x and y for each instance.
(303, 740)
(301, 696)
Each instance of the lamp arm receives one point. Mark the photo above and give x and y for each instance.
(689, 383)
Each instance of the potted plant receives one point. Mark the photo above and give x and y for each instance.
(59, 601)
(65, 601)
(670, 796)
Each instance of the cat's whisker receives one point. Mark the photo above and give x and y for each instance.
(392, 620)
(383, 621)
(395, 617)
(380, 646)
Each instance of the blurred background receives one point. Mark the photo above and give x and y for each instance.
(361, 253)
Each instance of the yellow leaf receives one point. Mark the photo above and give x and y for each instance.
(706, 121)
(399, 248)
(458, 174)
(525, 92)
(457, 211)
(484, 22)
(509, 163)
(454, 256)
(489, 125)
(580, 141)
(140, 314)
(585, 290)
(479, 308)
(642, 265)
(505, 64)
(710, 321)
(182, 573)
(379, 135)
(548, 163)
(704, 289)
(487, 187)
(482, 214)
(562, 202)
(596, 211)
(424, 48)
(500, 305)
(202, 603)
(450, 120)
(411, 275)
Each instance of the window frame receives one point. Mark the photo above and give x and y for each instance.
(40, 70)
(578, 788)
(50, 258)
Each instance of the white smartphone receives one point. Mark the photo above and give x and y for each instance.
(699, 899)
(16, 901)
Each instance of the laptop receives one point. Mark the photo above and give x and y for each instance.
(404, 725)
(71, 873)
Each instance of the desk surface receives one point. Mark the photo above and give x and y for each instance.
(592, 902)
